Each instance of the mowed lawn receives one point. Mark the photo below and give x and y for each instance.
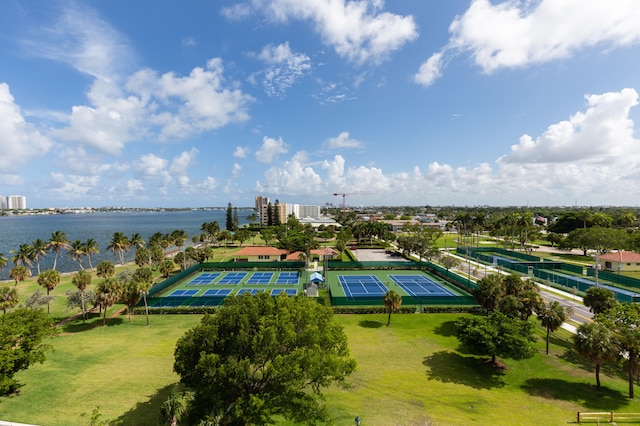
(412, 373)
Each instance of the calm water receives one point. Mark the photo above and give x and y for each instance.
(16, 230)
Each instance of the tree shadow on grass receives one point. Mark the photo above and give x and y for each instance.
(606, 371)
(370, 324)
(451, 367)
(582, 394)
(147, 413)
(446, 329)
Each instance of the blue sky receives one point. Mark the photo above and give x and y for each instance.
(404, 102)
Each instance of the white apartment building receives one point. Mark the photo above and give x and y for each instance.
(14, 202)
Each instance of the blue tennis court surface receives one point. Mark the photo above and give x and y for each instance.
(260, 278)
(183, 293)
(362, 285)
(232, 278)
(204, 279)
(288, 291)
(288, 278)
(252, 291)
(218, 292)
(420, 285)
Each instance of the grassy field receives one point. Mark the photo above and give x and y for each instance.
(412, 373)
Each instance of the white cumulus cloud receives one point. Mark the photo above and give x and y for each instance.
(344, 140)
(270, 150)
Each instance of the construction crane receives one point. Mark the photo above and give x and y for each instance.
(344, 199)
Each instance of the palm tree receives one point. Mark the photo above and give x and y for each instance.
(599, 299)
(39, 251)
(49, 279)
(108, 292)
(119, 244)
(490, 290)
(82, 280)
(23, 255)
(8, 298)
(130, 295)
(20, 273)
(137, 241)
(91, 247)
(76, 251)
(179, 236)
(57, 242)
(166, 267)
(175, 408)
(595, 342)
(552, 316)
(392, 302)
(3, 261)
(106, 269)
(144, 277)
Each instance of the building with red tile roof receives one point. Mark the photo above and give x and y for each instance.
(259, 254)
(621, 261)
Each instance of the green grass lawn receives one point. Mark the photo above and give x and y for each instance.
(412, 373)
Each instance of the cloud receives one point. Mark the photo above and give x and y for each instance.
(516, 34)
(151, 165)
(271, 149)
(183, 162)
(21, 141)
(236, 171)
(83, 40)
(284, 68)
(603, 134)
(150, 107)
(358, 30)
(593, 157)
(344, 140)
(241, 151)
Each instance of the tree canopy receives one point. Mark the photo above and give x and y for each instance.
(22, 343)
(262, 356)
(497, 335)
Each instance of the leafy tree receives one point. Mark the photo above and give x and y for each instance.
(80, 300)
(392, 302)
(497, 335)
(599, 299)
(260, 357)
(8, 298)
(37, 299)
(552, 316)
(623, 320)
(594, 342)
(81, 280)
(106, 269)
(20, 273)
(57, 243)
(22, 336)
(49, 279)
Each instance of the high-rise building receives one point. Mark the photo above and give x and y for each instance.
(261, 207)
(14, 202)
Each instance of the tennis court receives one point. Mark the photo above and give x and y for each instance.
(287, 291)
(362, 285)
(232, 278)
(217, 292)
(420, 285)
(260, 278)
(204, 279)
(183, 293)
(252, 291)
(288, 278)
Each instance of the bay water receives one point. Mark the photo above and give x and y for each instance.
(17, 230)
